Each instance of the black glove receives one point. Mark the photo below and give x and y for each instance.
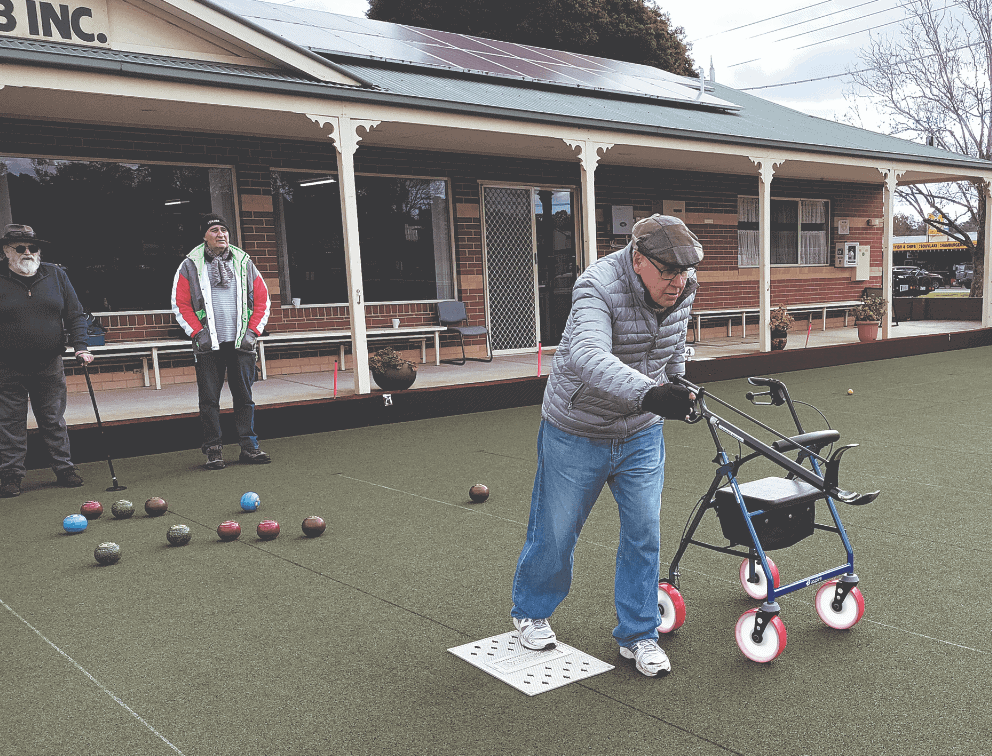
(201, 342)
(669, 401)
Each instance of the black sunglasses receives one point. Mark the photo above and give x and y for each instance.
(32, 248)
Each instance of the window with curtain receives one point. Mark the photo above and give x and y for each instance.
(798, 232)
(404, 233)
(119, 229)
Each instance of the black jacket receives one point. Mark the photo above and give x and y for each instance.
(36, 313)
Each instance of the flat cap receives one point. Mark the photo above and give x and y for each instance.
(667, 240)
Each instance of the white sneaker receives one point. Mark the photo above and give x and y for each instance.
(650, 659)
(535, 634)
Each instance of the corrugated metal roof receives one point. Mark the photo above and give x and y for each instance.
(105, 54)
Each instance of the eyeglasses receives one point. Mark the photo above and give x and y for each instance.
(32, 248)
(669, 274)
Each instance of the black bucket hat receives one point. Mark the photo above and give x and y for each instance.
(15, 232)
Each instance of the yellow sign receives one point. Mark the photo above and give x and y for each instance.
(932, 246)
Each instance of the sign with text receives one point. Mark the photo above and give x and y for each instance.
(81, 22)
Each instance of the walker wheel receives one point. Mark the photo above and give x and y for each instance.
(671, 606)
(851, 612)
(758, 590)
(772, 641)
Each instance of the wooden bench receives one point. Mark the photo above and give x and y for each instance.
(142, 349)
(152, 349)
(343, 338)
(729, 314)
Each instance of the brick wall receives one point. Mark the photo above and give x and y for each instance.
(705, 194)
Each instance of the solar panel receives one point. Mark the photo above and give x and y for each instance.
(346, 36)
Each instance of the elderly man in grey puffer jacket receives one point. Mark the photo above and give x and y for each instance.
(609, 388)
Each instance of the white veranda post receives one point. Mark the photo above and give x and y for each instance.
(986, 188)
(346, 139)
(888, 208)
(766, 168)
(588, 153)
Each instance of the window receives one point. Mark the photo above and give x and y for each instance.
(119, 229)
(404, 232)
(798, 232)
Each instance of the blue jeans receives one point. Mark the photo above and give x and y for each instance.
(571, 473)
(240, 369)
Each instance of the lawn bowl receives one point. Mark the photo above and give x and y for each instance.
(122, 509)
(478, 493)
(267, 529)
(107, 553)
(74, 523)
(91, 510)
(313, 526)
(229, 530)
(156, 506)
(179, 535)
(250, 502)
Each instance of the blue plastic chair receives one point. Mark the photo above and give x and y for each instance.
(451, 313)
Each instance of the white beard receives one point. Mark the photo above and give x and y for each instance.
(24, 265)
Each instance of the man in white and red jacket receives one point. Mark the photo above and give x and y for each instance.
(221, 301)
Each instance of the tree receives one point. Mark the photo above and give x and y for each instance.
(636, 31)
(934, 81)
(904, 225)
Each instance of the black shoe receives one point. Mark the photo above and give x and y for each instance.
(69, 478)
(254, 457)
(215, 458)
(10, 485)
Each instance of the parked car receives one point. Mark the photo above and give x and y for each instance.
(964, 273)
(911, 281)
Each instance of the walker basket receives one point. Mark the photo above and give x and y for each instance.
(787, 512)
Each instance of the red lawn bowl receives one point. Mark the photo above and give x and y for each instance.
(267, 529)
(478, 493)
(229, 530)
(156, 506)
(313, 526)
(91, 510)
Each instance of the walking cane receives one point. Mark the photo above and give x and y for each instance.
(96, 411)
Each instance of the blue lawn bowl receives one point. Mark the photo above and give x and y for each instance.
(250, 502)
(75, 523)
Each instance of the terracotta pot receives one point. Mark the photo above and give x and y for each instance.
(779, 339)
(396, 379)
(867, 330)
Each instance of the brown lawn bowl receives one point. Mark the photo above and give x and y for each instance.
(156, 506)
(107, 553)
(313, 526)
(267, 529)
(478, 493)
(91, 510)
(179, 535)
(122, 509)
(229, 530)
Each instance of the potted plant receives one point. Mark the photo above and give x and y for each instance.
(390, 372)
(780, 322)
(868, 315)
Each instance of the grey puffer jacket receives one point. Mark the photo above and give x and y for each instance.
(615, 347)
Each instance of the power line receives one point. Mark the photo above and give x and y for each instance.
(859, 71)
(852, 20)
(761, 21)
(818, 18)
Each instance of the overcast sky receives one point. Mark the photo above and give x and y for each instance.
(769, 43)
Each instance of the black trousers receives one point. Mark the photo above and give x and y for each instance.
(240, 369)
(44, 383)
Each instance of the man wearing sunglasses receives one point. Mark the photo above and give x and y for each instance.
(37, 306)
(608, 393)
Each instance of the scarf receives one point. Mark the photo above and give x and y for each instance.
(219, 268)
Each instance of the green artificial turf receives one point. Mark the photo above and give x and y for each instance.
(338, 644)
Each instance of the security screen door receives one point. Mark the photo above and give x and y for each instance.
(530, 264)
(510, 267)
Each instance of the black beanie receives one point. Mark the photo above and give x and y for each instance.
(209, 221)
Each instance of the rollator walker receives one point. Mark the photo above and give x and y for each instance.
(768, 514)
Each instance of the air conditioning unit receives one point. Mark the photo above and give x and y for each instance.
(846, 255)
